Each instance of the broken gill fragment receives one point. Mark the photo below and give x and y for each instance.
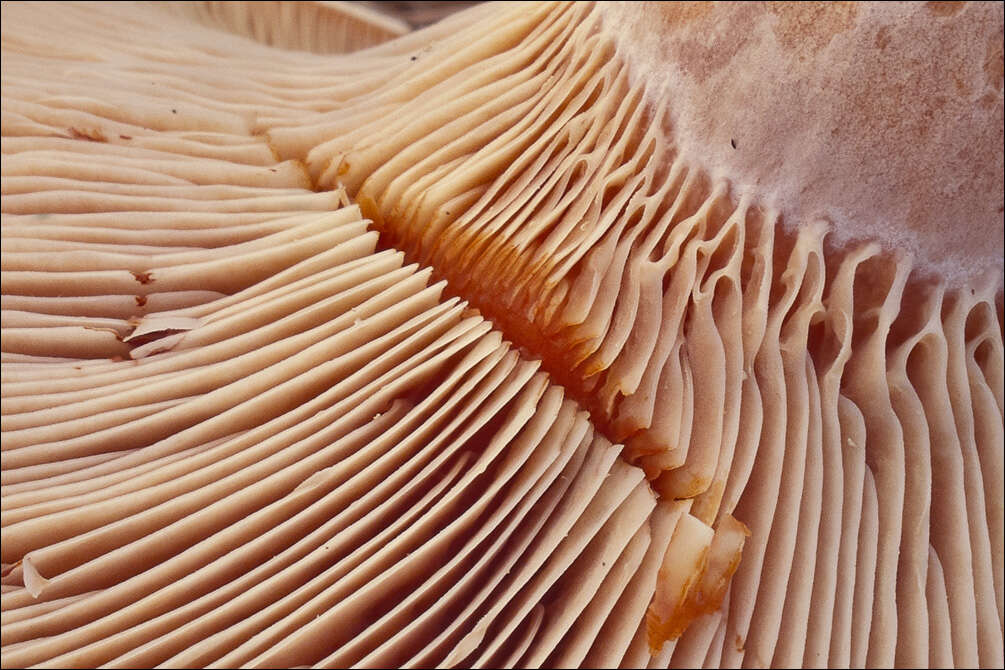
(553, 334)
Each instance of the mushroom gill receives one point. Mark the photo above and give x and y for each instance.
(552, 334)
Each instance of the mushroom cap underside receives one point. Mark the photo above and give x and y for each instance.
(245, 425)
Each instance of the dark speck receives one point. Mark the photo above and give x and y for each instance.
(174, 111)
(415, 58)
(732, 143)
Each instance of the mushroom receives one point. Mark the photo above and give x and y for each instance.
(550, 334)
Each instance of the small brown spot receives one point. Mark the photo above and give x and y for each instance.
(343, 168)
(944, 8)
(141, 300)
(882, 37)
(739, 642)
(143, 277)
(273, 170)
(174, 111)
(732, 143)
(415, 58)
(89, 134)
(125, 137)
